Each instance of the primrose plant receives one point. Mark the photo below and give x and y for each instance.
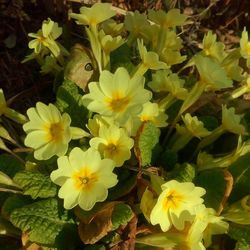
(144, 146)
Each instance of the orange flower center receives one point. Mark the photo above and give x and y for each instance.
(172, 200)
(84, 179)
(118, 102)
(55, 132)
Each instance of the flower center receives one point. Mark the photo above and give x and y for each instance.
(110, 150)
(172, 200)
(118, 103)
(84, 180)
(55, 132)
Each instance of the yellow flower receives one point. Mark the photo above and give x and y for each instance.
(45, 38)
(194, 126)
(171, 19)
(245, 46)
(49, 132)
(213, 48)
(84, 178)
(231, 121)
(150, 59)
(98, 121)
(113, 143)
(138, 25)
(176, 204)
(117, 95)
(94, 15)
(151, 112)
(166, 81)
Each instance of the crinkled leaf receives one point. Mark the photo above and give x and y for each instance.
(36, 184)
(183, 173)
(121, 215)
(242, 245)
(13, 202)
(44, 220)
(146, 140)
(240, 171)
(240, 233)
(68, 99)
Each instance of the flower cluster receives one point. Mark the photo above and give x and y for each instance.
(151, 138)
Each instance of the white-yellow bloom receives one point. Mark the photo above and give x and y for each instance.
(45, 38)
(231, 121)
(94, 15)
(98, 121)
(117, 95)
(176, 204)
(84, 178)
(49, 132)
(113, 143)
(194, 126)
(151, 112)
(245, 46)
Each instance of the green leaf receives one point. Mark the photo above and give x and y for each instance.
(146, 140)
(13, 202)
(127, 181)
(44, 220)
(121, 58)
(183, 173)
(214, 183)
(240, 233)
(240, 171)
(10, 165)
(68, 99)
(36, 184)
(121, 215)
(242, 245)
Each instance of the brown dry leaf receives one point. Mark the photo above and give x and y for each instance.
(27, 245)
(99, 226)
(229, 186)
(128, 234)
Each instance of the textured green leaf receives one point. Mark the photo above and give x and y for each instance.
(240, 233)
(146, 140)
(121, 215)
(44, 220)
(36, 184)
(68, 99)
(214, 183)
(242, 245)
(240, 171)
(183, 173)
(13, 202)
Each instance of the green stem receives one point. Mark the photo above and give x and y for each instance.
(209, 139)
(141, 70)
(239, 92)
(167, 101)
(193, 96)
(15, 116)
